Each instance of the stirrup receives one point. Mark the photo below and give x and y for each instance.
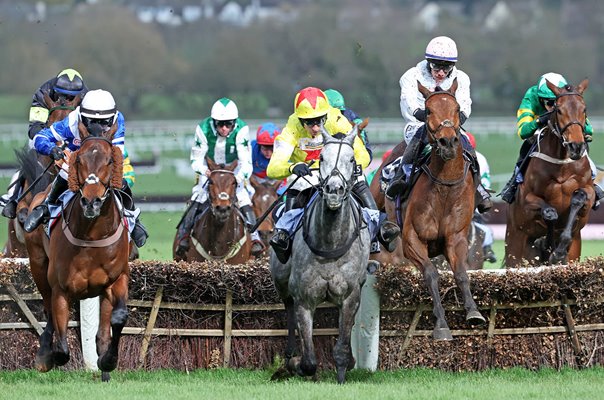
(484, 206)
(139, 235)
(183, 246)
(387, 235)
(280, 242)
(395, 188)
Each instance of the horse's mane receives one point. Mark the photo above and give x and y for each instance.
(27, 161)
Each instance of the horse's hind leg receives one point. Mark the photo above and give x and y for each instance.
(114, 312)
(560, 254)
(342, 352)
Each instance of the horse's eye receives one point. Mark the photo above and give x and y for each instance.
(320, 157)
(352, 159)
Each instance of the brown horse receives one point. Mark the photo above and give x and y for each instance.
(219, 232)
(86, 255)
(265, 194)
(552, 205)
(29, 163)
(437, 216)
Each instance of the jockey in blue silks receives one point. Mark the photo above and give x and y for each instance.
(97, 113)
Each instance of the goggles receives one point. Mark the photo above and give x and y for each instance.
(446, 68)
(105, 122)
(549, 102)
(313, 121)
(228, 123)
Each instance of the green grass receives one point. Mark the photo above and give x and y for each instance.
(220, 384)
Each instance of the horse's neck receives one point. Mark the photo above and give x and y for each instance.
(90, 229)
(449, 170)
(331, 227)
(551, 145)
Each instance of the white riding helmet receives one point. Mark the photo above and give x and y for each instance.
(98, 104)
(442, 48)
(224, 109)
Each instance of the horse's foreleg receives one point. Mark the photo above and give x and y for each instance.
(44, 357)
(307, 365)
(119, 315)
(417, 253)
(60, 317)
(39, 270)
(457, 255)
(577, 201)
(342, 352)
(290, 349)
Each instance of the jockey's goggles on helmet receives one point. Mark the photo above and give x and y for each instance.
(313, 121)
(66, 97)
(105, 122)
(229, 123)
(445, 67)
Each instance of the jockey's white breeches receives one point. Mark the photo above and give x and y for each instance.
(200, 192)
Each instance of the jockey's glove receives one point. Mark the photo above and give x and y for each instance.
(420, 115)
(56, 153)
(300, 169)
(542, 120)
(588, 138)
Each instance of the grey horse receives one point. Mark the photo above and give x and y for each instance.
(328, 262)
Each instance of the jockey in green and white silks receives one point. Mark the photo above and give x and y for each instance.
(223, 137)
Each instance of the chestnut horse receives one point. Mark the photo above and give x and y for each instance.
(30, 164)
(265, 194)
(219, 232)
(86, 255)
(552, 205)
(436, 217)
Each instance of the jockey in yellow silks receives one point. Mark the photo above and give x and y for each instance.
(297, 149)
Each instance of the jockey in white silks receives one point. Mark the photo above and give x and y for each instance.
(438, 70)
(224, 138)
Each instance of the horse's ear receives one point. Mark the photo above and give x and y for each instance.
(275, 185)
(354, 132)
(582, 86)
(109, 135)
(211, 164)
(363, 124)
(254, 181)
(326, 136)
(231, 166)
(423, 90)
(47, 99)
(83, 131)
(555, 89)
(453, 87)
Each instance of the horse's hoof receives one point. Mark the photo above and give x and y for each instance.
(105, 377)
(60, 358)
(474, 318)
(45, 363)
(341, 375)
(442, 334)
(549, 214)
(107, 363)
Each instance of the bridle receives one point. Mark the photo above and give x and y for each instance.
(555, 127)
(222, 195)
(348, 183)
(446, 123)
(93, 179)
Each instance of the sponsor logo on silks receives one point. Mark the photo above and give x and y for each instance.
(311, 146)
(77, 142)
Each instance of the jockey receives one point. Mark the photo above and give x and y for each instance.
(67, 84)
(336, 100)
(438, 69)
(485, 180)
(97, 113)
(300, 142)
(533, 114)
(262, 148)
(224, 138)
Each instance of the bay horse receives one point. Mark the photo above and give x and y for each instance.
(329, 261)
(437, 216)
(86, 255)
(552, 205)
(30, 164)
(219, 232)
(265, 194)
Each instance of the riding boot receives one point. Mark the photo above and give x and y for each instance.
(281, 240)
(139, 233)
(398, 183)
(489, 254)
(482, 198)
(388, 230)
(599, 196)
(250, 221)
(508, 193)
(41, 213)
(10, 208)
(183, 233)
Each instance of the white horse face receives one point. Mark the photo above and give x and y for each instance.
(337, 168)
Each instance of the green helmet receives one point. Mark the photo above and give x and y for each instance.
(335, 99)
(543, 91)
